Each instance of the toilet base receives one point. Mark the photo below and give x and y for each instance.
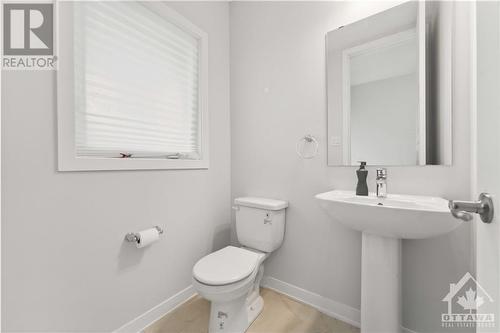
(233, 308)
(235, 316)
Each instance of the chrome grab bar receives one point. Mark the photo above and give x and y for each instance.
(484, 207)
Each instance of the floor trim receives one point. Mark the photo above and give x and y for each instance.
(407, 330)
(325, 305)
(144, 320)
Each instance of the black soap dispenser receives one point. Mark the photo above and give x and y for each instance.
(362, 187)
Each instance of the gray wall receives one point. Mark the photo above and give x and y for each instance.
(278, 95)
(65, 266)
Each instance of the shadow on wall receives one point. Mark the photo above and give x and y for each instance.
(221, 236)
(129, 255)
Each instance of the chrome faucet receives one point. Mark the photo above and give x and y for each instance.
(381, 183)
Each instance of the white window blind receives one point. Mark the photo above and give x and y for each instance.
(136, 83)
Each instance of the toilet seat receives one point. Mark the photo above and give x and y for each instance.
(224, 292)
(226, 266)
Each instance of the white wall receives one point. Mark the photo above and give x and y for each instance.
(487, 154)
(65, 266)
(278, 95)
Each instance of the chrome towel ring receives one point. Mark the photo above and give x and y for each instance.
(307, 147)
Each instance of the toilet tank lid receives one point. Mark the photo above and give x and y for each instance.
(261, 203)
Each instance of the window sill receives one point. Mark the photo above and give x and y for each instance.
(102, 164)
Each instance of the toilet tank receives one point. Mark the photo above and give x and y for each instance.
(260, 222)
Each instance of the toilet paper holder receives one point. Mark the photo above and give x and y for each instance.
(134, 238)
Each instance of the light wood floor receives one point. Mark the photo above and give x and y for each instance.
(281, 314)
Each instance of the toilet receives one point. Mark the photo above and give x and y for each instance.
(230, 278)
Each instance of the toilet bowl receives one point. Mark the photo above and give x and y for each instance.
(230, 280)
(230, 277)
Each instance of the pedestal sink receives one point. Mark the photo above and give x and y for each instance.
(383, 223)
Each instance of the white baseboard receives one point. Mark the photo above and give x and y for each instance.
(325, 305)
(407, 330)
(140, 323)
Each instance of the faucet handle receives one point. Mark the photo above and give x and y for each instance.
(381, 173)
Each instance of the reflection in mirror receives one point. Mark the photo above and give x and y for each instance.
(389, 87)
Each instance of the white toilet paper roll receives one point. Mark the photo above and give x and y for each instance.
(148, 236)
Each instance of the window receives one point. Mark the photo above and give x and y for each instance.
(131, 88)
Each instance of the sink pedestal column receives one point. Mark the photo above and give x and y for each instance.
(380, 284)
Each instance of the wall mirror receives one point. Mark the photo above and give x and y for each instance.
(390, 87)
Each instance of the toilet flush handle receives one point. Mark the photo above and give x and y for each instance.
(221, 314)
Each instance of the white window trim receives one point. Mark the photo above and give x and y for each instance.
(67, 158)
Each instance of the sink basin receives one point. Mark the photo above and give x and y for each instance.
(397, 216)
(383, 223)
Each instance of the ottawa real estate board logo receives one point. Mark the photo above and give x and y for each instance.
(467, 305)
(28, 36)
